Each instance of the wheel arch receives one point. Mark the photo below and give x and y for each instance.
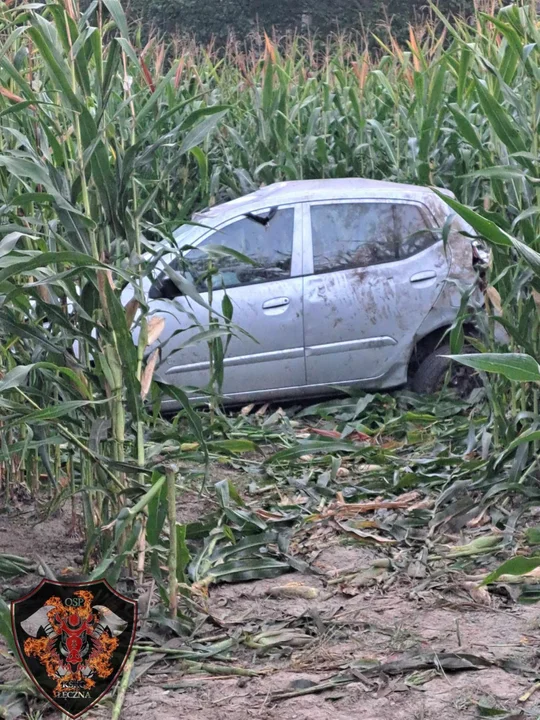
(427, 343)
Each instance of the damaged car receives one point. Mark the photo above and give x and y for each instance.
(340, 282)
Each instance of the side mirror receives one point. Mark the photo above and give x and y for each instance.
(164, 289)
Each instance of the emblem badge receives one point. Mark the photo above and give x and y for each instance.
(73, 639)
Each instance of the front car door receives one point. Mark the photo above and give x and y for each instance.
(373, 275)
(266, 300)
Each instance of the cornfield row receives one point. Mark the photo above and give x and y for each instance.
(106, 147)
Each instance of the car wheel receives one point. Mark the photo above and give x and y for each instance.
(432, 374)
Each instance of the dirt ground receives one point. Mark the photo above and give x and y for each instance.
(332, 631)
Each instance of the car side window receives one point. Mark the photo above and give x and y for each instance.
(266, 241)
(351, 235)
(412, 230)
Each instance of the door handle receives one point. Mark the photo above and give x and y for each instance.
(275, 303)
(421, 276)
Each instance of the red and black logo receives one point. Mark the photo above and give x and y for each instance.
(73, 639)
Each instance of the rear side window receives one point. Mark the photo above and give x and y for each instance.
(351, 235)
(411, 230)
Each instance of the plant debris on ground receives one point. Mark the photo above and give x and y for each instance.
(374, 554)
(340, 551)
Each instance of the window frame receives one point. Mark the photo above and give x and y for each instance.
(297, 242)
(308, 265)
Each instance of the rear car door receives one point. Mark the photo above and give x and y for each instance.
(374, 273)
(267, 305)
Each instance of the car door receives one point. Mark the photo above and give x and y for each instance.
(267, 305)
(374, 273)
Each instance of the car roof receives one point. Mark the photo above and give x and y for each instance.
(295, 191)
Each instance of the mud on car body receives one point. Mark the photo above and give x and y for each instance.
(349, 282)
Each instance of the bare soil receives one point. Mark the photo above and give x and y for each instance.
(342, 627)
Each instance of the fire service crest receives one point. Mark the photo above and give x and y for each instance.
(73, 639)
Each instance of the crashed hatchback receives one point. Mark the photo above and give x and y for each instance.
(350, 282)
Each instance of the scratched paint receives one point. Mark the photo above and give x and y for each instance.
(380, 303)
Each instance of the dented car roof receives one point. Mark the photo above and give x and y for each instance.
(295, 191)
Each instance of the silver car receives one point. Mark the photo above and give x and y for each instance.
(352, 284)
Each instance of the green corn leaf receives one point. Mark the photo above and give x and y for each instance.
(50, 413)
(119, 17)
(505, 127)
(46, 40)
(5, 627)
(127, 349)
(183, 556)
(157, 511)
(467, 130)
(16, 377)
(514, 366)
(193, 418)
(500, 172)
(242, 571)
(233, 446)
(525, 437)
(483, 227)
(514, 566)
(309, 447)
(268, 87)
(245, 547)
(201, 131)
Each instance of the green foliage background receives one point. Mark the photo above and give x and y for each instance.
(217, 19)
(108, 145)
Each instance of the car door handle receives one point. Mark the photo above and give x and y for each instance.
(275, 303)
(421, 276)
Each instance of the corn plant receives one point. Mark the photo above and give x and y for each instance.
(108, 145)
(90, 141)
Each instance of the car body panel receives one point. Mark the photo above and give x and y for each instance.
(349, 327)
(268, 350)
(273, 356)
(359, 322)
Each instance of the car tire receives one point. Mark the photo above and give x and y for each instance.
(431, 374)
